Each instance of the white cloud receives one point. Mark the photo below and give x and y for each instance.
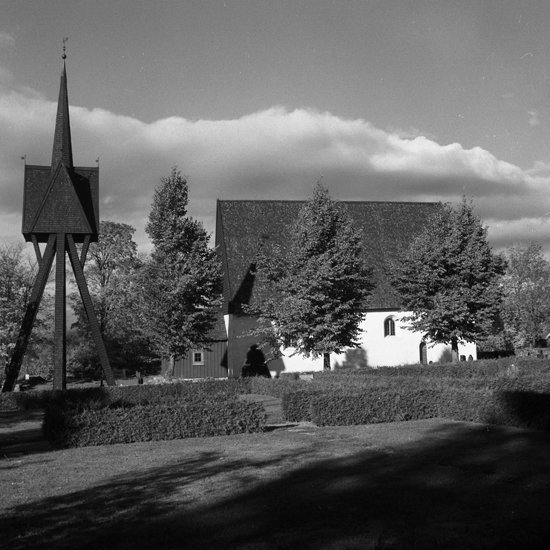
(534, 119)
(6, 40)
(272, 154)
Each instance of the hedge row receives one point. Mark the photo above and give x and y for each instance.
(342, 408)
(275, 387)
(140, 394)
(174, 419)
(520, 405)
(489, 368)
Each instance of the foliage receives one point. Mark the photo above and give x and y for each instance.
(313, 295)
(17, 275)
(127, 423)
(275, 387)
(91, 397)
(124, 414)
(514, 400)
(297, 405)
(449, 279)
(526, 305)
(181, 284)
(112, 271)
(514, 406)
(371, 406)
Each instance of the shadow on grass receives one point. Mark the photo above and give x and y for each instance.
(460, 486)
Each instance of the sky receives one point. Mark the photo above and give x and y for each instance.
(389, 100)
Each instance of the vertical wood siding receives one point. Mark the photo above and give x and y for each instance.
(215, 362)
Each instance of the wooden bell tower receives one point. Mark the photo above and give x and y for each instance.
(60, 209)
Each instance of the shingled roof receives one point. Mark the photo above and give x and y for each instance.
(61, 198)
(243, 225)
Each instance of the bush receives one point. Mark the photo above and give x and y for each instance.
(517, 407)
(489, 368)
(139, 394)
(296, 405)
(371, 406)
(275, 387)
(123, 422)
(28, 400)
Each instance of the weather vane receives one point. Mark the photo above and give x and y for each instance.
(64, 56)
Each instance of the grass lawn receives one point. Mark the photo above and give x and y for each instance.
(423, 485)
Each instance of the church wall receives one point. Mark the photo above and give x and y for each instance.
(403, 347)
(378, 350)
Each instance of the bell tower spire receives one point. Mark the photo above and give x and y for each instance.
(62, 146)
(60, 209)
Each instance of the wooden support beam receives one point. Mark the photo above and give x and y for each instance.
(14, 367)
(84, 251)
(36, 248)
(88, 306)
(60, 318)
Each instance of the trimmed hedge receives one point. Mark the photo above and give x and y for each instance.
(128, 423)
(521, 409)
(376, 405)
(522, 401)
(296, 405)
(275, 387)
(488, 368)
(138, 394)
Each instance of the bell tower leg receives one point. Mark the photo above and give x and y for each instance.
(60, 322)
(14, 367)
(88, 306)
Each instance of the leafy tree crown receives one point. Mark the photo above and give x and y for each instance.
(449, 279)
(313, 293)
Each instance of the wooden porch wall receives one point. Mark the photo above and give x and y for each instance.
(214, 361)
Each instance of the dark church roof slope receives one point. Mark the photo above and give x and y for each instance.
(242, 226)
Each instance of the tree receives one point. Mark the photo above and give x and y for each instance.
(111, 270)
(526, 305)
(449, 279)
(182, 281)
(17, 276)
(313, 295)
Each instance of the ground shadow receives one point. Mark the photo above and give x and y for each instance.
(460, 486)
(21, 433)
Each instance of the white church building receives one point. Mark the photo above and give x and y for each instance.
(388, 228)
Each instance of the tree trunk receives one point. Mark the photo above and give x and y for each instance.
(454, 349)
(171, 365)
(326, 361)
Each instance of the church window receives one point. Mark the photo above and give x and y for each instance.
(389, 327)
(198, 357)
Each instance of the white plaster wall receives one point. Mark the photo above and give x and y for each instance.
(404, 347)
(299, 363)
(381, 351)
(238, 345)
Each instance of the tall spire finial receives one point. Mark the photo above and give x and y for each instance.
(64, 56)
(62, 148)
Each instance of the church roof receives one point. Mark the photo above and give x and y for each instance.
(242, 226)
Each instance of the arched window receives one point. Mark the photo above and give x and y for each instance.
(389, 327)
